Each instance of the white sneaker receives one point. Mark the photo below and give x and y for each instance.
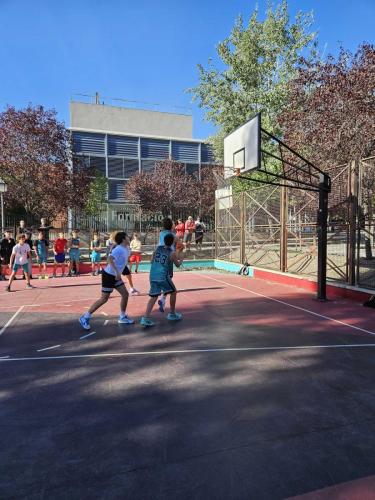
(124, 320)
(134, 291)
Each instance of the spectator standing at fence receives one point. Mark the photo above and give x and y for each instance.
(6, 247)
(189, 230)
(200, 229)
(41, 250)
(45, 229)
(96, 256)
(180, 229)
(59, 250)
(22, 228)
(110, 244)
(74, 252)
(136, 255)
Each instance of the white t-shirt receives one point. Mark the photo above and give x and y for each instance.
(120, 255)
(20, 252)
(135, 245)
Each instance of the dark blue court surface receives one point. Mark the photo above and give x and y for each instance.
(260, 392)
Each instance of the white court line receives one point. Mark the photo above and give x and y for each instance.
(292, 305)
(87, 335)
(4, 357)
(54, 302)
(191, 351)
(48, 348)
(10, 321)
(104, 314)
(68, 302)
(106, 322)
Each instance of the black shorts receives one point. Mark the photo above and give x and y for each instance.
(109, 282)
(126, 271)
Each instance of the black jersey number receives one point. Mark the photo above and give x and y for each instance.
(161, 258)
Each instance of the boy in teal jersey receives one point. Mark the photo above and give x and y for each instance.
(168, 228)
(160, 280)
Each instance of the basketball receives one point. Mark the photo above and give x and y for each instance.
(179, 246)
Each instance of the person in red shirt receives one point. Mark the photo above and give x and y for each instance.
(180, 229)
(189, 230)
(59, 249)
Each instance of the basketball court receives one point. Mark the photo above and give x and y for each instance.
(260, 392)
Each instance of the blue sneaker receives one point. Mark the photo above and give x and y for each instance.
(174, 316)
(146, 322)
(124, 320)
(161, 303)
(85, 323)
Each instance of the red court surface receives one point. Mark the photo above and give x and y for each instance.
(259, 392)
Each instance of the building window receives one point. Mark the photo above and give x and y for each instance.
(192, 169)
(154, 148)
(116, 167)
(123, 146)
(84, 142)
(148, 165)
(186, 152)
(116, 190)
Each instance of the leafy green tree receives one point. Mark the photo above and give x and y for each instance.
(97, 195)
(257, 62)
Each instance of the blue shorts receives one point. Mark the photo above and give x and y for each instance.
(42, 258)
(158, 287)
(96, 257)
(74, 254)
(60, 258)
(25, 267)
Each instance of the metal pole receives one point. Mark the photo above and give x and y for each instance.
(324, 189)
(242, 228)
(283, 229)
(2, 214)
(353, 208)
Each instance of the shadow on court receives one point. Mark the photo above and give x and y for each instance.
(205, 424)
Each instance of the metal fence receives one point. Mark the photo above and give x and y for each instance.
(276, 228)
(148, 227)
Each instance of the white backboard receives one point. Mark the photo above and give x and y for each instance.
(242, 148)
(224, 198)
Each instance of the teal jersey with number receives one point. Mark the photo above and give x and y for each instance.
(161, 263)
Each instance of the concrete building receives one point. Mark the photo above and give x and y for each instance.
(120, 142)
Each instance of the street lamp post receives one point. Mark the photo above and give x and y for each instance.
(3, 189)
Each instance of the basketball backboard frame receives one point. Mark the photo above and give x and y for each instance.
(274, 163)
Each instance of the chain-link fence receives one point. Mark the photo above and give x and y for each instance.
(276, 228)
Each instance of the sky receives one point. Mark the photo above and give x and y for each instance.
(138, 50)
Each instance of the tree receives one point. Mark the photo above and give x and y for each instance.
(97, 194)
(206, 189)
(259, 60)
(170, 190)
(35, 155)
(330, 117)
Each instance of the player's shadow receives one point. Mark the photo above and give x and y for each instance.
(176, 425)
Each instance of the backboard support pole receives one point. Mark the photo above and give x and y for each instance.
(324, 188)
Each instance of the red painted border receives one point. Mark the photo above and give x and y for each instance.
(333, 291)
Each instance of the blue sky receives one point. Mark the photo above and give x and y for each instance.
(142, 50)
